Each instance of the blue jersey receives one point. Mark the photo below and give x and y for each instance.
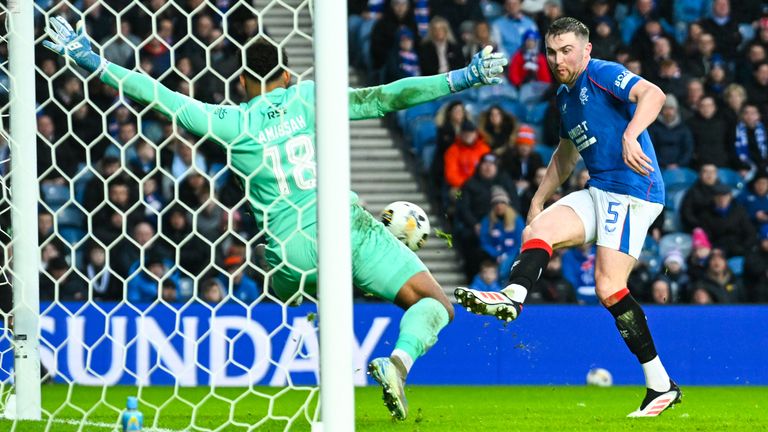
(593, 115)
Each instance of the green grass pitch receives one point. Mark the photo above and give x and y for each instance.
(432, 408)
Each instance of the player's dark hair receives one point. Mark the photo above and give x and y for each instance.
(264, 60)
(565, 25)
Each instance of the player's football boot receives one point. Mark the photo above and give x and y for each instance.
(491, 303)
(656, 402)
(393, 386)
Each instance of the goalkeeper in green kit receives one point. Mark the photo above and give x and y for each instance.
(270, 141)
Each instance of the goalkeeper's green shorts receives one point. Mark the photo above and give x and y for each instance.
(381, 264)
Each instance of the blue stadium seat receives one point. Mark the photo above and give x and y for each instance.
(545, 151)
(678, 176)
(675, 241)
(423, 133)
(674, 198)
(54, 195)
(737, 265)
(535, 113)
(425, 110)
(731, 178)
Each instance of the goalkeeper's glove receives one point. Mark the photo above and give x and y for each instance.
(73, 44)
(484, 69)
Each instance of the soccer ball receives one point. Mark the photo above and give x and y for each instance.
(599, 377)
(407, 222)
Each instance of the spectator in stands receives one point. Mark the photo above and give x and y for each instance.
(240, 285)
(751, 141)
(104, 284)
(109, 221)
(660, 291)
(186, 158)
(474, 204)
(674, 273)
(456, 12)
(462, 156)
(700, 60)
(404, 61)
(699, 197)
(487, 279)
(552, 10)
(122, 49)
(756, 270)
(605, 41)
(521, 161)
(755, 54)
(701, 247)
(439, 52)
(497, 127)
(719, 281)
(501, 231)
(384, 33)
(211, 291)
(149, 284)
(192, 251)
(688, 12)
(579, 270)
(57, 282)
(553, 287)
(701, 296)
(757, 88)
(47, 171)
(527, 196)
(481, 38)
(734, 97)
(94, 189)
(44, 224)
(671, 80)
(643, 11)
(712, 137)
(156, 54)
(528, 64)
(691, 42)
(508, 29)
(727, 223)
(640, 279)
(578, 181)
(663, 49)
(672, 140)
(755, 198)
(694, 91)
(723, 28)
(717, 79)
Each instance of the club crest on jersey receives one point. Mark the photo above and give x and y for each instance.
(583, 97)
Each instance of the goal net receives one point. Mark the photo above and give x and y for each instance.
(153, 280)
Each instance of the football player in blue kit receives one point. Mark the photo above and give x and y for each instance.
(605, 110)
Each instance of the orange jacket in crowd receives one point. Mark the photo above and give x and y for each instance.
(461, 160)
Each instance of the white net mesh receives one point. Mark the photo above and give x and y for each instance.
(153, 280)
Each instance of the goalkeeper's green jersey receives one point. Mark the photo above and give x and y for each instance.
(270, 140)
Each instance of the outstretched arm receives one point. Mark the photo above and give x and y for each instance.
(220, 123)
(486, 68)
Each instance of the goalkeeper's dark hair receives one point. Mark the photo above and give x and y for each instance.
(264, 60)
(565, 25)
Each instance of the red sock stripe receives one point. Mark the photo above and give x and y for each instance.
(536, 244)
(615, 298)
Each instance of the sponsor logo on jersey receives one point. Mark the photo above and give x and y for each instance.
(564, 107)
(623, 79)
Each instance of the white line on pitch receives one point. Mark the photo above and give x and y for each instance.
(113, 426)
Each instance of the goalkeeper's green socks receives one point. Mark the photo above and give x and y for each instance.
(418, 332)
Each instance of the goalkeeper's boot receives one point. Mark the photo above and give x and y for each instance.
(392, 382)
(656, 402)
(492, 303)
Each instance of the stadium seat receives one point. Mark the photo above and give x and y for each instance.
(731, 178)
(674, 198)
(54, 195)
(675, 241)
(736, 265)
(535, 113)
(545, 151)
(423, 133)
(425, 110)
(681, 176)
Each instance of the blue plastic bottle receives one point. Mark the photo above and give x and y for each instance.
(133, 419)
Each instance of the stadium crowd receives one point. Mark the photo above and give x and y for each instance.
(480, 157)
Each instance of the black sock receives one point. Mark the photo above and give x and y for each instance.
(633, 326)
(528, 266)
